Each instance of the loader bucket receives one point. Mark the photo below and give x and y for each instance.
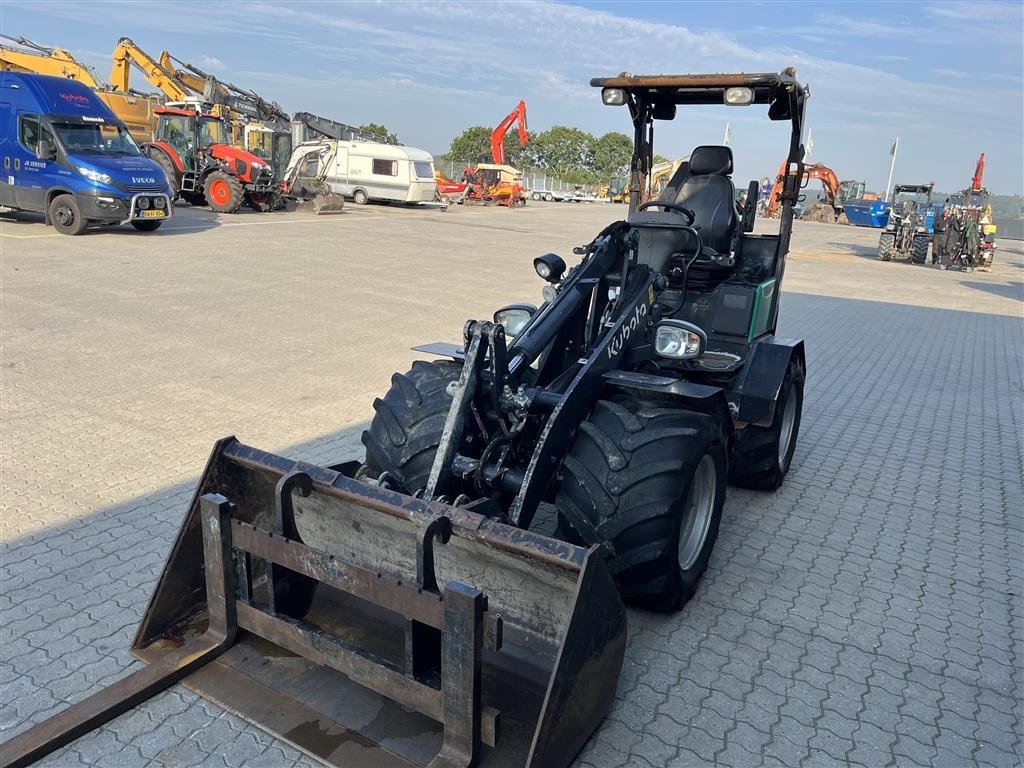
(370, 628)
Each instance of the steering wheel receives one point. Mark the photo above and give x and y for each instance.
(671, 207)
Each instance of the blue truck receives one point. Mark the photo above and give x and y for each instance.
(67, 156)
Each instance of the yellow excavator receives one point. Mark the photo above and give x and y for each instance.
(135, 109)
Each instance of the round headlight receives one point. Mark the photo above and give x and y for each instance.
(159, 202)
(143, 203)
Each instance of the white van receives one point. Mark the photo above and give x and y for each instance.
(365, 171)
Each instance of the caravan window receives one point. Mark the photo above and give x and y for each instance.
(385, 167)
(424, 170)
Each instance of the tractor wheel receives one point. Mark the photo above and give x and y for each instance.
(359, 197)
(650, 481)
(147, 226)
(65, 215)
(919, 254)
(161, 159)
(886, 247)
(223, 192)
(408, 422)
(762, 455)
(194, 198)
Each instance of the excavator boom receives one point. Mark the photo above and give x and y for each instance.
(127, 53)
(498, 134)
(828, 178)
(43, 61)
(979, 171)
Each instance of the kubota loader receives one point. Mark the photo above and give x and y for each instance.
(404, 609)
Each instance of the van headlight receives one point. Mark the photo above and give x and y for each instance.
(514, 317)
(91, 175)
(679, 340)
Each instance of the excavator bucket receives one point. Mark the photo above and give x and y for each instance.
(328, 202)
(367, 627)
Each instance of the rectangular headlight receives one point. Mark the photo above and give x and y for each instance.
(613, 97)
(739, 97)
(679, 340)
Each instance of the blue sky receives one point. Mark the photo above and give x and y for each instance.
(945, 77)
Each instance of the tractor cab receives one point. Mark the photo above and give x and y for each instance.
(190, 132)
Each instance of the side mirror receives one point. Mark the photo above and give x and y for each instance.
(46, 150)
(750, 206)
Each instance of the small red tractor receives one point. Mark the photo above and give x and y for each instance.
(203, 168)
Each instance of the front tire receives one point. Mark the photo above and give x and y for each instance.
(359, 197)
(408, 422)
(66, 216)
(223, 192)
(147, 226)
(886, 247)
(920, 249)
(161, 158)
(650, 481)
(762, 455)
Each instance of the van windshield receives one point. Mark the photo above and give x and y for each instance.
(106, 139)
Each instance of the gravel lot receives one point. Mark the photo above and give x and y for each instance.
(869, 613)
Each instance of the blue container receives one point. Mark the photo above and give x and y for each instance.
(867, 213)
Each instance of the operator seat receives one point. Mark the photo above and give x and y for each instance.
(702, 185)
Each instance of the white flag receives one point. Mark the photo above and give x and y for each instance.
(892, 151)
(810, 142)
(728, 133)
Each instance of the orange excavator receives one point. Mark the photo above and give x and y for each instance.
(496, 182)
(836, 193)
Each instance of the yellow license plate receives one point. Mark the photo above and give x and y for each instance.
(153, 214)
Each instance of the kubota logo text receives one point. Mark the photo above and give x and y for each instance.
(628, 328)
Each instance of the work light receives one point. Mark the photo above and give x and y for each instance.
(613, 97)
(679, 340)
(739, 97)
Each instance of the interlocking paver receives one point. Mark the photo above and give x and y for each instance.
(867, 614)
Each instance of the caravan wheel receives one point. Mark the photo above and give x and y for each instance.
(359, 197)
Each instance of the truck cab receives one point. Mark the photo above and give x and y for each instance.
(66, 155)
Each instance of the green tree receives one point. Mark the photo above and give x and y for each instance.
(563, 149)
(658, 159)
(382, 134)
(474, 145)
(612, 153)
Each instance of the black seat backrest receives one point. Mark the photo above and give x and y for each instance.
(704, 186)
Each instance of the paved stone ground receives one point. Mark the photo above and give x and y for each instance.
(869, 613)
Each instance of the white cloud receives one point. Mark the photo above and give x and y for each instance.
(210, 62)
(956, 74)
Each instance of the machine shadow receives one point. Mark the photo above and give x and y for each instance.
(1009, 290)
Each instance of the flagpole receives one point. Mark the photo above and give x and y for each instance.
(892, 165)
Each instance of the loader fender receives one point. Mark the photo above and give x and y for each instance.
(757, 390)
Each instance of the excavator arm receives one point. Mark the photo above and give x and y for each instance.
(41, 60)
(828, 178)
(498, 134)
(979, 171)
(127, 53)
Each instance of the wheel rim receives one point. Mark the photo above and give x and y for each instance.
(64, 215)
(700, 505)
(786, 427)
(219, 192)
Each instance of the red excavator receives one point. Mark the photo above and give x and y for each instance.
(202, 167)
(836, 193)
(496, 182)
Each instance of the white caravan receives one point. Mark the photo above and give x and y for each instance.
(365, 171)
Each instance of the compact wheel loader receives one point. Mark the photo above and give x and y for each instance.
(405, 610)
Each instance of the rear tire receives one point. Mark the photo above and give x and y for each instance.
(919, 254)
(408, 422)
(65, 215)
(223, 192)
(762, 455)
(147, 226)
(886, 247)
(650, 481)
(165, 162)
